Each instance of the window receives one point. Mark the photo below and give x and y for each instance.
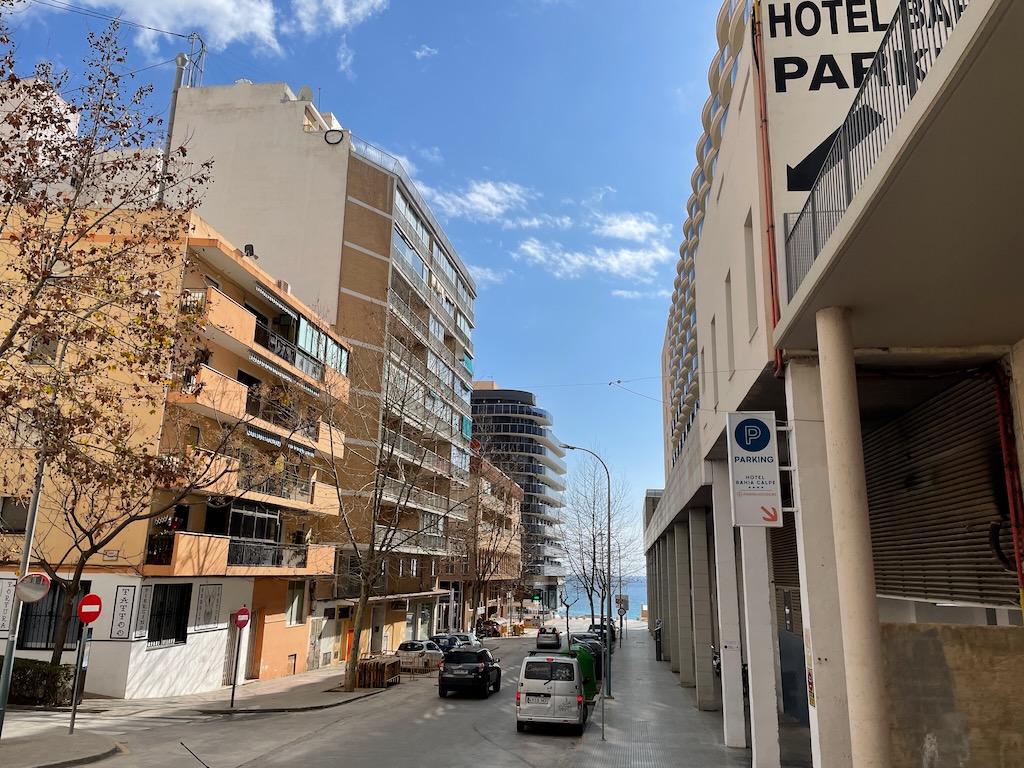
(433, 567)
(168, 616)
(467, 427)
(730, 352)
(401, 567)
(414, 567)
(39, 620)
(463, 323)
(295, 603)
(13, 515)
(748, 258)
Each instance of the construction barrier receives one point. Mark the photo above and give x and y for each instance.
(379, 672)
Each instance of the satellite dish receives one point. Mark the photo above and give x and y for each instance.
(305, 93)
(32, 587)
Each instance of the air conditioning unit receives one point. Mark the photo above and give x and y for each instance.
(285, 286)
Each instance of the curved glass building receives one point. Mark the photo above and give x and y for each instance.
(515, 435)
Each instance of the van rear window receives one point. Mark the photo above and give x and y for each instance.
(549, 670)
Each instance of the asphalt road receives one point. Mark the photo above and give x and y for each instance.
(406, 726)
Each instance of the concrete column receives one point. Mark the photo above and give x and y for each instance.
(819, 588)
(862, 645)
(758, 605)
(684, 616)
(700, 581)
(728, 608)
(649, 558)
(671, 632)
(652, 588)
(663, 599)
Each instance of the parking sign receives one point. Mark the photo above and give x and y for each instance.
(754, 469)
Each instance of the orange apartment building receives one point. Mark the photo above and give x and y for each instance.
(259, 418)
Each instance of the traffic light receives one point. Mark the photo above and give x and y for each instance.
(537, 595)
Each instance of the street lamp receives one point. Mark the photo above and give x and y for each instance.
(608, 583)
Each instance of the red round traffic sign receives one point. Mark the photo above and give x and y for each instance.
(89, 609)
(242, 618)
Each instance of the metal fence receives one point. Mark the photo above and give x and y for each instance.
(909, 49)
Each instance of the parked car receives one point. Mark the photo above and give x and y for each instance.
(446, 642)
(601, 628)
(550, 691)
(472, 669)
(549, 637)
(423, 654)
(598, 631)
(468, 638)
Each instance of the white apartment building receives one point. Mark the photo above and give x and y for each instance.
(850, 263)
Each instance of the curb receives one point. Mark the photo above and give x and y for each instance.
(278, 710)
(94, 758)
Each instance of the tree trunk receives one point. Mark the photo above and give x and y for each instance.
(67, 612)
(357, 634)
(590, 599)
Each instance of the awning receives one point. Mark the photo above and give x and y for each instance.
(270, 296)
(301, 449)
(262, 434)
(408, 595)
(262, 362)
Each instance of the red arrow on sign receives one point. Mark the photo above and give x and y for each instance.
(89, 609)
(770, 515)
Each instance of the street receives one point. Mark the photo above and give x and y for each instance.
(407, 725)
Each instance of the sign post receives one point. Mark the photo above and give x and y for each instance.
(754, 469)
(88, 611)
(241, 620)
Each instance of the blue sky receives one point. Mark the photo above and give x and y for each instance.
(554, 140)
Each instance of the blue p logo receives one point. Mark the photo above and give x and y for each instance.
(753, 435)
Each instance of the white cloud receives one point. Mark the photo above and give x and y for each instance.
(424, 52)
(487, 275)
(630, 263)
(261, 23)
(659, 294)
(431, 154)
(536, 222)
(345, 57)
(635, 227)
(481, 200)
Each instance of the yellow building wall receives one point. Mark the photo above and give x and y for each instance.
(276, 640)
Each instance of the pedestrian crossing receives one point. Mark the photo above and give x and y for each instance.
(34, 723)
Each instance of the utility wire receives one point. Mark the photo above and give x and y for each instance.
(62, 6)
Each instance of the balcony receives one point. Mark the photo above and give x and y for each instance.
(881, 232)
(270, 410)
(325, 499)
(184, 553)
(228, 323)
(403, 494)
(287, 351)
(410, 540)
(212, 394)
(282, 485)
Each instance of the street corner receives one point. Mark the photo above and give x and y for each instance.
(57, 750)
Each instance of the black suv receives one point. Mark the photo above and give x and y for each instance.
(473, 669)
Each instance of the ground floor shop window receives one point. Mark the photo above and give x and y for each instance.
(168, 616)
(39, 620)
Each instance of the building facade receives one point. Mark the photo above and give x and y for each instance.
(362, 246)
(515, 436)
(251, 429)
(814, 285)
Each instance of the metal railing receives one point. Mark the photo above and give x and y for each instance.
(909, 48)
(261, 554)
(159, 548)
(280, 415)
(285, 485)
(398, 538)
(288, 352)
(404, 494)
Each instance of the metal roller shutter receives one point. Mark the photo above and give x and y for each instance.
(935, 491)
(786, 571)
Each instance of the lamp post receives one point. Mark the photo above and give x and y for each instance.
(608, 583)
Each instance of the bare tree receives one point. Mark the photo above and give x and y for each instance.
(91, 330)
(392, 489)
(585, 526)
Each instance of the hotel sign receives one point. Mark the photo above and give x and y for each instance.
(754, 485)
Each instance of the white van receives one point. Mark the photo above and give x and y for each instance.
(550, 691)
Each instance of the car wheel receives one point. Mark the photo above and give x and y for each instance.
(579, 729)
(485, 689)
(520, 726)
(442, 691)
(497, 684)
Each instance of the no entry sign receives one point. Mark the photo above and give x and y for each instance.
(242, 618)
(89, 609)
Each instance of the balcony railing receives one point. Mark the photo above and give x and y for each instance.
(159, 548)
(285, 485)
(904, 58)
(282, 416)
(406, 494)
(288, 352)
(404, 539)
(262, 554)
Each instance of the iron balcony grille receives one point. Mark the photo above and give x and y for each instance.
(907, 53)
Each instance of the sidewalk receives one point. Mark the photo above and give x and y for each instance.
(652, 721)
(318, 689)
